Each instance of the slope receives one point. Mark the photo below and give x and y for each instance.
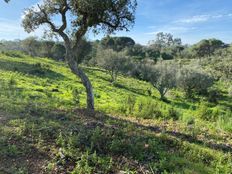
(43, 129)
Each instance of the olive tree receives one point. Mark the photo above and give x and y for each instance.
(114, 62)
(78, 17)
(193, 80)
(162, 76)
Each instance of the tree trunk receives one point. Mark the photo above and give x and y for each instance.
(84, 79)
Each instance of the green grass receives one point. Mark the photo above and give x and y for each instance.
(43, 129)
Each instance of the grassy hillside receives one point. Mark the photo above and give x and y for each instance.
(43, 129)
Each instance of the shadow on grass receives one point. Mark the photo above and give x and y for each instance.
(31, 69)
(182, 136)
(129, 144)
(136, 91)
(182, 105)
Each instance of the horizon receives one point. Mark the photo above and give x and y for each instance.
(191, 21)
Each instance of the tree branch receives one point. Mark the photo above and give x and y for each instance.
(60, 31)
(63, 11)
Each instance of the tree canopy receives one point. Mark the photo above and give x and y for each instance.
(101, 16)
(117, 43)
(207, 47)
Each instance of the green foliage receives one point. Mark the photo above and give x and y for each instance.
(207, 47)
(146, 109)
(89, 163)
(128, 104)
(113, 62)
(45, 120)
(76, 96)
(230, 91)
(166, 46)
(117, 43)
(194, 81)
(162, 76)
(14, 54)
(224, 120)
(205, 113)
(219, 66)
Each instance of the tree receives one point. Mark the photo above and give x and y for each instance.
(137, 51)
(152, 54)
(194, 80)
(117, 43)
(162, 76)
(207, 47)
(167, 46)
(107, 16)
(114, 62)
(31, 46)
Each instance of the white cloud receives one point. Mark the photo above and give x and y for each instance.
(194, 19)
(202, 18)
(170, 29)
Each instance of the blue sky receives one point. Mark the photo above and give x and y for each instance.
(191, 20)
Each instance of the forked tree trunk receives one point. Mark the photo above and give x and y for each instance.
(84, 79)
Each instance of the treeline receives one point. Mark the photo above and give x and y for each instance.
(163, 47)
(36, 47)
(165, 62)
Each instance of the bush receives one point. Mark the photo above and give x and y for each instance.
(194, 81)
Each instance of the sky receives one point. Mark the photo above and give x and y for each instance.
(190, 20)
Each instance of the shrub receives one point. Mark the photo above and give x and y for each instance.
(194, 81)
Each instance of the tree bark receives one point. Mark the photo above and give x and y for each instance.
(84, 79)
